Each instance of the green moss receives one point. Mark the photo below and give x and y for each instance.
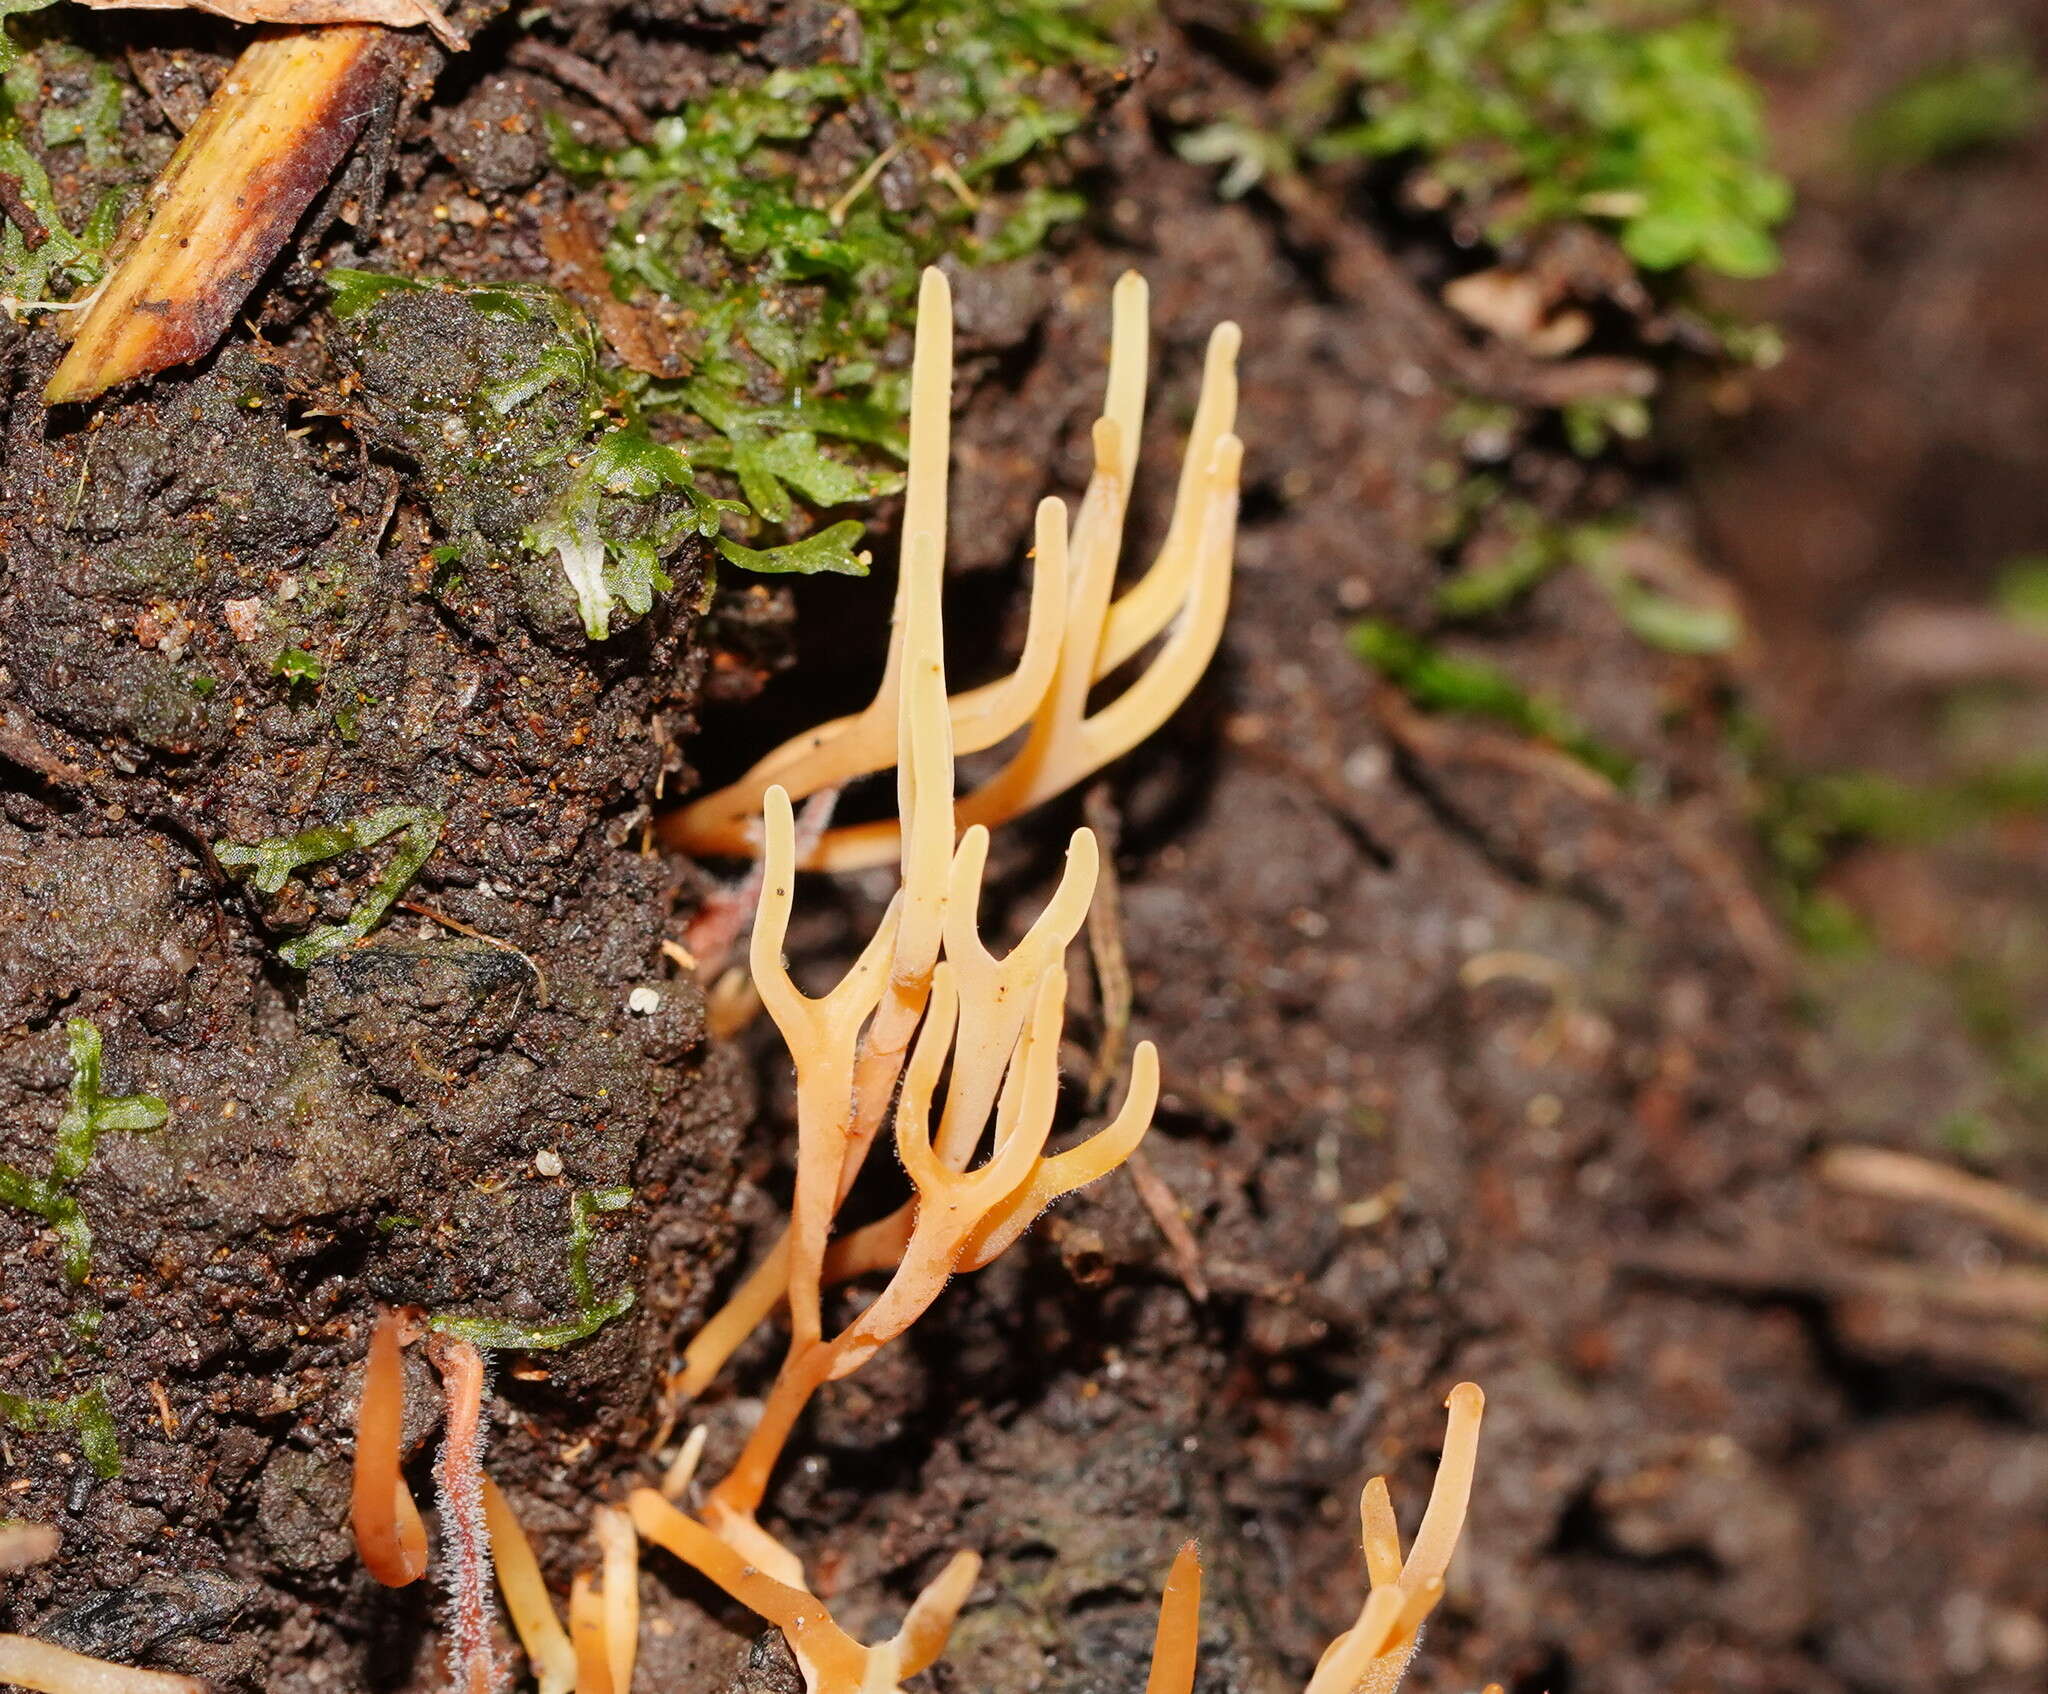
(10, 48)
(1534, 551)
(1806, 821)
(276, 859)
(2022, 591)
(1541, 111)
(88, 1115)
(31, 275)
(296, 665)
(613, 500)
(90, 1415)
(795, 266)
(1969, 107)
(592, 1312)
(1441, 682)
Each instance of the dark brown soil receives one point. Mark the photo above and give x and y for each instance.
(1475, 1066)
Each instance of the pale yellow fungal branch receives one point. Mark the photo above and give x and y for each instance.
(534, 1619)
(1373, 1654)
(50, 1669)
(925, 1001)
(1076, 635)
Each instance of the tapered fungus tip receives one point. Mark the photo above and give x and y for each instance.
(1177, 1638)
(1467, 1400)
(1225, 340)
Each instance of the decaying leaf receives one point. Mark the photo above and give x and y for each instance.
(393, 14)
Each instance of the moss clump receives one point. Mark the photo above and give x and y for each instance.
(90, 1415)
(276, 859)
(592, 1311)
(788, 219)
(533, 449)
(1441, 682)
(90, 1113)
(1973, 106)
(1535, 112)
(34, 273)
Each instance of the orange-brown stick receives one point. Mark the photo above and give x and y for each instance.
(389, 1535)
(287, 115)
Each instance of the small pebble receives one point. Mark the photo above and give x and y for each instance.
(548, 1162)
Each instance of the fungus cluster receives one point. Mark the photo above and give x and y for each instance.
(954, 1050)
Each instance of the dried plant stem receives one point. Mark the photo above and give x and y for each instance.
(288, 112)
(1887, 1175)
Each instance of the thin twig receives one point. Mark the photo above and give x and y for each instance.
(1160, 1202)
(1106, 946)
(540, 977)
(575, 72)
(1887, 1175)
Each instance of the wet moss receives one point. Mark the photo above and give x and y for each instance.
(88, 1115)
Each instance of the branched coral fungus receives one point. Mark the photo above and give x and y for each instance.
(1370, 1656)
(957, 1052)
(1076, 635)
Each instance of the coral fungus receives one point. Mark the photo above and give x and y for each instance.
(1076, 635)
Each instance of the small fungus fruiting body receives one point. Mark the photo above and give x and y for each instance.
(1077, 636)
(548, 1647)
(1079, 631)
(390, 1538)
(952, 1049)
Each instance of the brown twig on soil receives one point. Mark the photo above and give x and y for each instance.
(287, 114)
(1164, 1209)
(2017, 1293)
(1884, 1174)
(580, 76)
(19, 745)
(14, 205)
